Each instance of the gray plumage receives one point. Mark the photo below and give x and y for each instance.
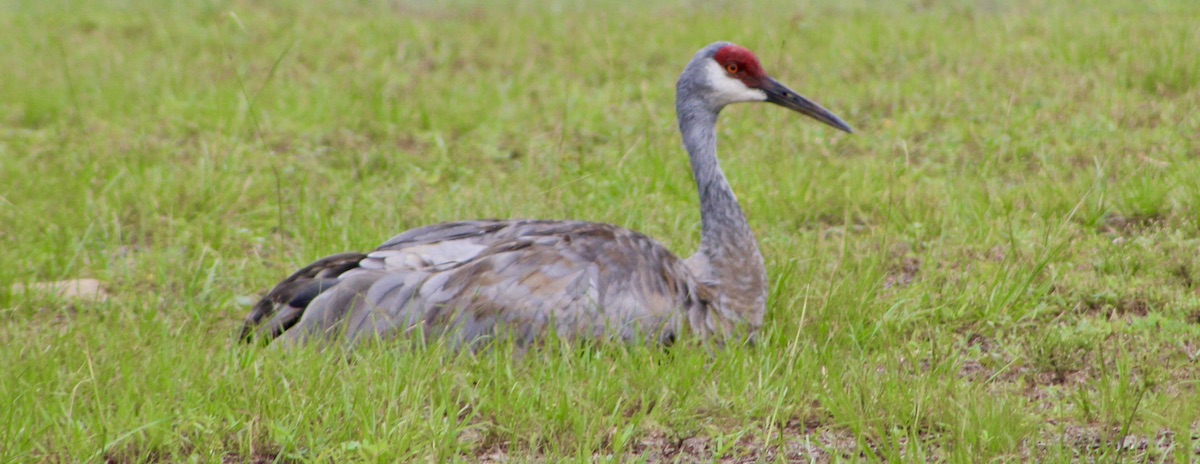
(469, 282)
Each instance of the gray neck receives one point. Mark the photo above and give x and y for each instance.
(723, 225)
(728, 260)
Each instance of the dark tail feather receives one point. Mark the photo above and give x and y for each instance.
(284, 305)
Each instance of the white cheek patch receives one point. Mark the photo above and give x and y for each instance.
(728, 90)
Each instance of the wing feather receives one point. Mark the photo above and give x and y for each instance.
(470, 282)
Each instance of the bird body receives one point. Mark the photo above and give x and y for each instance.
(469, 282)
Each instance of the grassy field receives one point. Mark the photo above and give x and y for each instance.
(1002, 264)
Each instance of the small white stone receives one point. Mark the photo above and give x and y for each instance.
(75, 289)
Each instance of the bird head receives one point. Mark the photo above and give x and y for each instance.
(727, 74)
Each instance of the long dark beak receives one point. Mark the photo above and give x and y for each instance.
(780, 95)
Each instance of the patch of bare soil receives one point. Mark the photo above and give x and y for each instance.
(1118, 224)
(902, 274)
(799, 442)
(255, 459)
(1115, 308)
(1088, 442)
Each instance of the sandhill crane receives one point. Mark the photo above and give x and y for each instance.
(467, 282)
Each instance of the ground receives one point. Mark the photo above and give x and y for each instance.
(1001, 264)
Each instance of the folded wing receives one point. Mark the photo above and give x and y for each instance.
(469, 282)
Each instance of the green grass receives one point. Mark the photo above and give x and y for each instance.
(1002, 264)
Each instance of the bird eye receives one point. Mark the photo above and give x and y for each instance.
(731, 68)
